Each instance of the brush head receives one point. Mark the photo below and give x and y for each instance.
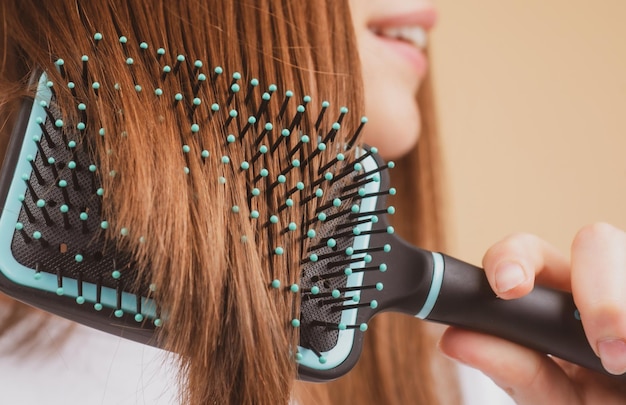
(311, 196)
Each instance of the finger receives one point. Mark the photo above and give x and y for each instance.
(512, 265)
(527, 376)
(598, 281)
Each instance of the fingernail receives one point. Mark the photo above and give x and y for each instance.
(613, 355)
(508, 276)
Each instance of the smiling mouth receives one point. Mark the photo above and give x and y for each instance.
(414, 35)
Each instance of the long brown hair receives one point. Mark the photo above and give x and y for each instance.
(233, 338)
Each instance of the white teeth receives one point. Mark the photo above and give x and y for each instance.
(414, 34)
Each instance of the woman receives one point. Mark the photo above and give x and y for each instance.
(215, 363)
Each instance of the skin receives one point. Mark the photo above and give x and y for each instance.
(594, 271)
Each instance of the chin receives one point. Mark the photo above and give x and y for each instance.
(394, 137)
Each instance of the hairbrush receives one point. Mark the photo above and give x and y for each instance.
(55, 253)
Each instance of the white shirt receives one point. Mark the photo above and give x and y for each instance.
(95, 368)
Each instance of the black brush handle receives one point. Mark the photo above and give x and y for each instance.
(545, 320)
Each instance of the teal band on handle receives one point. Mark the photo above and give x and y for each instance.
(435, 286)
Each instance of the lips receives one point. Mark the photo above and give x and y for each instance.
(405, 34)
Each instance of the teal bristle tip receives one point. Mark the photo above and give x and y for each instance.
(363, 327)
(144, 45)
(119, 313)
(336, 293)
(294, 288)
(80, 300)
(379, 286)
(123, 40)
(382, 268)
(295, 323)
(98, 307)
(279, 251)
(275, 283)
(139, 318)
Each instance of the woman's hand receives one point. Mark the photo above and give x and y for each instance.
(595, 273)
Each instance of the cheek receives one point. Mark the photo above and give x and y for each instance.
(391, 107)
(393, 122)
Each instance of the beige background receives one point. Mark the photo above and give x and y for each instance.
(532, 106)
